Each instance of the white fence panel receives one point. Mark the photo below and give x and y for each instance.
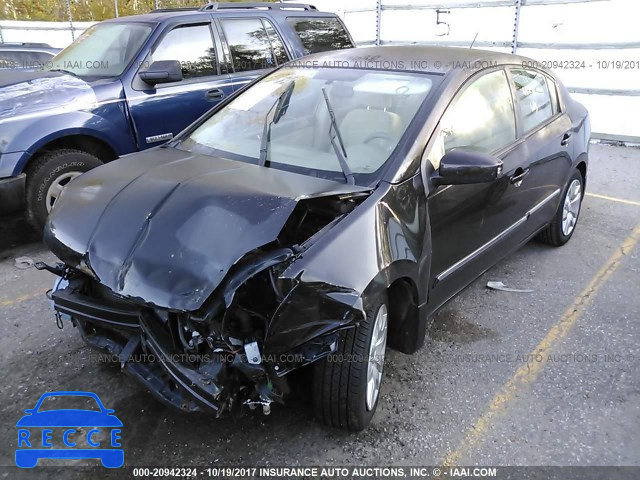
(56, 34)
(592, 45)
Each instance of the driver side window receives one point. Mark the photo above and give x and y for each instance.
(481, 119)
(193, 46)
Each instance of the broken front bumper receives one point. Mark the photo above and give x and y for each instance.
(123, 335)
(133, 336)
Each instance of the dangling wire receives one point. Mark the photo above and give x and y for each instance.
(59, 321)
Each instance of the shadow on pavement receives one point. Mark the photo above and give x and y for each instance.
(15, 232)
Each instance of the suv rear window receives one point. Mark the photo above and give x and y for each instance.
(320, 34)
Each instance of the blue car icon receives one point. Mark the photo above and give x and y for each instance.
(32, 447)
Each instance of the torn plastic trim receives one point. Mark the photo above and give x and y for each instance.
(325, 308)
(93, 310)
(194, 388)
(196, 384)
(151, 376)
(309, 352)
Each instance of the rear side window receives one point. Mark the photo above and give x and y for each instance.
(555, 104)
(250, 44)
(482, 118)
(320, 34)
(192, 46)
(533, 97)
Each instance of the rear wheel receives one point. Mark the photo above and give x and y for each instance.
(561, 228)
(347, 384)
(47, 177)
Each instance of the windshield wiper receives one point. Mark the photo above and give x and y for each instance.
(334, 133)
(281, 105)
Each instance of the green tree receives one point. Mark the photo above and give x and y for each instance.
(84, 10)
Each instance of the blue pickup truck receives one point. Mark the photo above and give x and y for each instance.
(132, 83)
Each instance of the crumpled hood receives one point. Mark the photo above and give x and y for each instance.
(38, 93)
(165, 225)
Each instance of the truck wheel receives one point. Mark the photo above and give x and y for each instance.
(346, 384)
(47, 176)
(561, 228)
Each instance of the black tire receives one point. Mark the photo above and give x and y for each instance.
(553, 234)
(43, 171)
(340, 380)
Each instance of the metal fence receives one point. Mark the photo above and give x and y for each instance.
(512, 12)
(379, 15)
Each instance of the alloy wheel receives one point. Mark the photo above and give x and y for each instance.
(376, 357)
(571, 208)
(56, 188)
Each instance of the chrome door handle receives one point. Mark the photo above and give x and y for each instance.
(517, 178)
(215, 94)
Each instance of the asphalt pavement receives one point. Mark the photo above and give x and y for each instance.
(544, 378)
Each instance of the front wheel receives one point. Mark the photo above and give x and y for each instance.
(48, 175)
(347, 383)
(561, 228)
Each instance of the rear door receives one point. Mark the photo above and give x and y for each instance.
(251, 47)
(474, 225)
(546, 133)
(161, 112)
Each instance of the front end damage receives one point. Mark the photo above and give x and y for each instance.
(237, 348)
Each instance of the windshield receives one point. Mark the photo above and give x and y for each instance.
(103, 50)
(325, 122)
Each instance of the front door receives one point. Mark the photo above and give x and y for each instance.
(161, 112)
(472, 225)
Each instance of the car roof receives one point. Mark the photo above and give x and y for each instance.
(256, 8)
(421, 58)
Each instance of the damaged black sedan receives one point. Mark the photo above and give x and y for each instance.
(322, 213)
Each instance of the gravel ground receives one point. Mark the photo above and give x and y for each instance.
(582, 408)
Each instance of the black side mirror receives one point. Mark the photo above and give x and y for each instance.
(460, 167)
(162, 71)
